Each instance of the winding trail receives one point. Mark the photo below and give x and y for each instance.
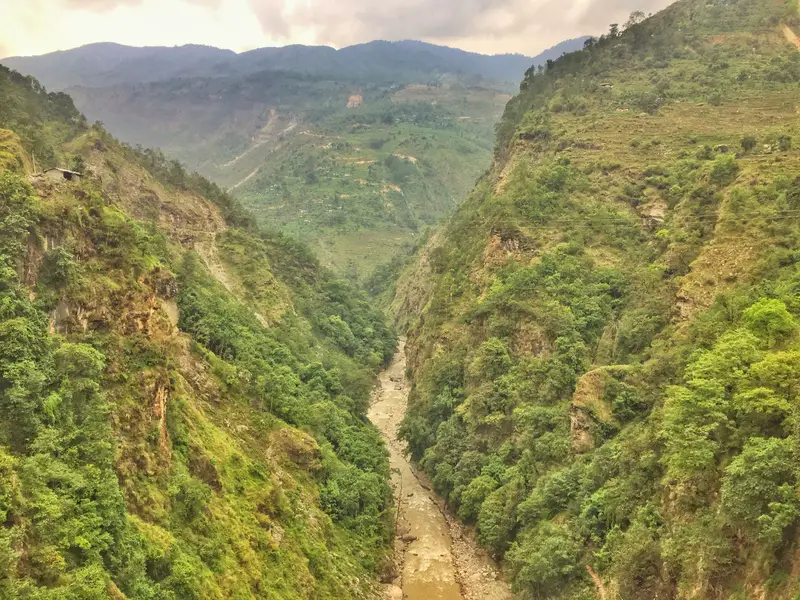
(436, 558)
(246, 179)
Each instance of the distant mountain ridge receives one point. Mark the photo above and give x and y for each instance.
(105, 64)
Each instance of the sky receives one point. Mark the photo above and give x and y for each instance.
(29, 27)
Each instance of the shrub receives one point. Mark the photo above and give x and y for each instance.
(705, 153)
(748, 143)
(724, 170)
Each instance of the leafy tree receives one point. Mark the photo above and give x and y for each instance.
(474, 495)
(496, 520)
(634, 19)
(757, 490)
(491, 360)
(543, 562)
(770, 319)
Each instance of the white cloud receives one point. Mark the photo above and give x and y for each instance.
(491, 26)
(71, 23)
(485, 25)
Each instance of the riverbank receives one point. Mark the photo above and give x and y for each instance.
(436, 557)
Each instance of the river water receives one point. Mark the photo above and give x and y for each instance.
(436, 558)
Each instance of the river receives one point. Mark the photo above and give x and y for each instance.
(436, 558)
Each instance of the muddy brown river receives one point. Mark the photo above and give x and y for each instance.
(436, 558)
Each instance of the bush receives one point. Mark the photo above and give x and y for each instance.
(705, 153)
(748, 143)
(724, 170)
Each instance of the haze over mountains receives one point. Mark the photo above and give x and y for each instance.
(103, 64)
(354, 150)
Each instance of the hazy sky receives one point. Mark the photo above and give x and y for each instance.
(489, 26)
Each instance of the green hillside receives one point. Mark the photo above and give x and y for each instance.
(604, 339)
(363, 182)
(353, 151)
(182, 394)
(291, 149)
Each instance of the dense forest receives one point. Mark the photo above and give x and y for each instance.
(182, 393)
(604, 340)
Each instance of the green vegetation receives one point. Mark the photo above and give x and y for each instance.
(182, 394)
(357, 184)
(605, 367)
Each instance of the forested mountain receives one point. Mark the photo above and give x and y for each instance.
(106, 64)
(182, 393)
(605, 338)
(354, 151)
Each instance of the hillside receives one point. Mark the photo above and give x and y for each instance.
(353, 151)
(353, 182)
(604, 338)
(182, 394)
(107, 64)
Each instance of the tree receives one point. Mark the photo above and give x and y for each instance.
(724, 170)
(613, 30)
(491, 360)
(757, 487)
(474, 495)
(698, 417)
(16, 213)
(546, 560)
(769, 319)
(497, 520)
(748, 143)
(636, 17)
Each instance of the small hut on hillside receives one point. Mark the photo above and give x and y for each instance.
(57, 174)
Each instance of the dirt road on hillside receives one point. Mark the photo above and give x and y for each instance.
(437, 559)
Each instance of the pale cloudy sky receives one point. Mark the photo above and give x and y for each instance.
(490, 26)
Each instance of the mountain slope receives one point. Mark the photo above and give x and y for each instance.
(182, 396)
(353, 151)
(604, 357)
